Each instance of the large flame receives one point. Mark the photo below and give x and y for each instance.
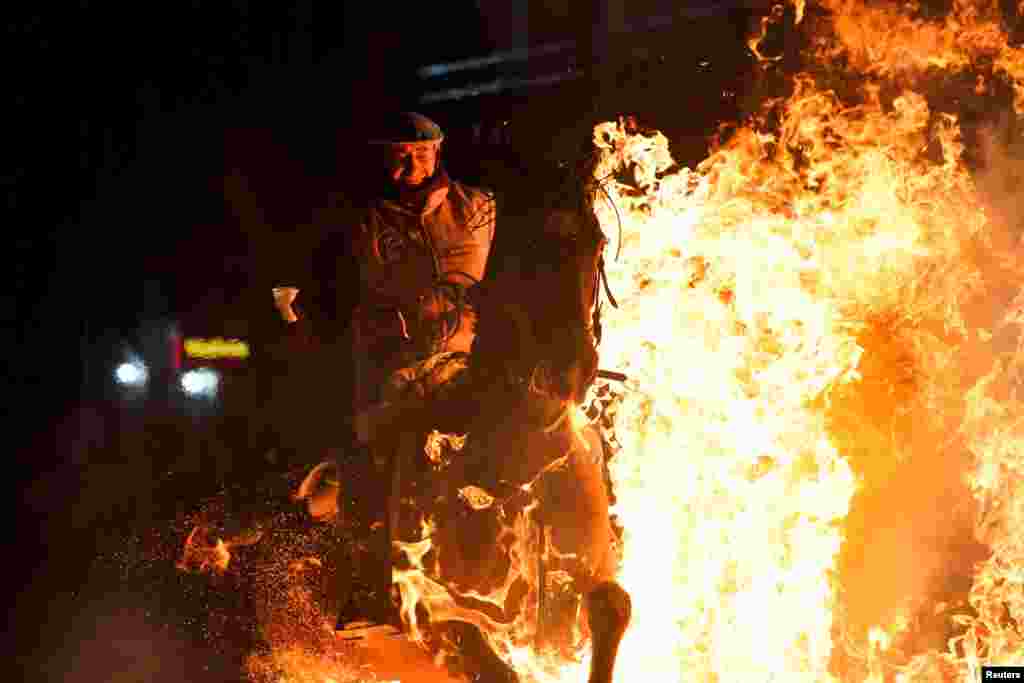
(747, 289)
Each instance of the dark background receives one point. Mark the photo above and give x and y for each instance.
(162, 161)
(126, 125)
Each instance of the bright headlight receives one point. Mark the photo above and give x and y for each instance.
(132, 374)
(200, 382)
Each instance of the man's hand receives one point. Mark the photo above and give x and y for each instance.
(284, 297)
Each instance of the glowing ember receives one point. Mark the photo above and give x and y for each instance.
(205, 554)
(476, 497)
(438, 442)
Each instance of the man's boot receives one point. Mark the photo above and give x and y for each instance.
(364, 585)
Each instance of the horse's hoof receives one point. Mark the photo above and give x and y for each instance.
(610, 609)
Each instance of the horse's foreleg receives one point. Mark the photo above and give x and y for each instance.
(590, 535)
(580, 522)
(609, 608)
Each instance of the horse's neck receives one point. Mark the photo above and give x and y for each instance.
(547, 411)
(514, 404)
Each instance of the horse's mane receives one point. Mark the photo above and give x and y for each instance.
(534, 312)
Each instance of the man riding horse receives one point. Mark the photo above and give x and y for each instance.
(415, 244)
(420, 248)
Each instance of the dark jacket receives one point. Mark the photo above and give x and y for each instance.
(369, 302)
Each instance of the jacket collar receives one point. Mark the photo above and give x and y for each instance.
(424, 199)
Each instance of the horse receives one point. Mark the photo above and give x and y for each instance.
(497, 508)
(498, 485)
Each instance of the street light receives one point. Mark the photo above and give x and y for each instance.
(132, 374)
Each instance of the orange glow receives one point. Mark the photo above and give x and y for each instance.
(203, 554)
(745, 286)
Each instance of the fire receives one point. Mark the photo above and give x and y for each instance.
(205, 554)
(512, 641)
(729, 488)
(437, 442)
(747, 288)
(888, 41)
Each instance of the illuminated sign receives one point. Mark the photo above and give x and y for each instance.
(215, 349)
